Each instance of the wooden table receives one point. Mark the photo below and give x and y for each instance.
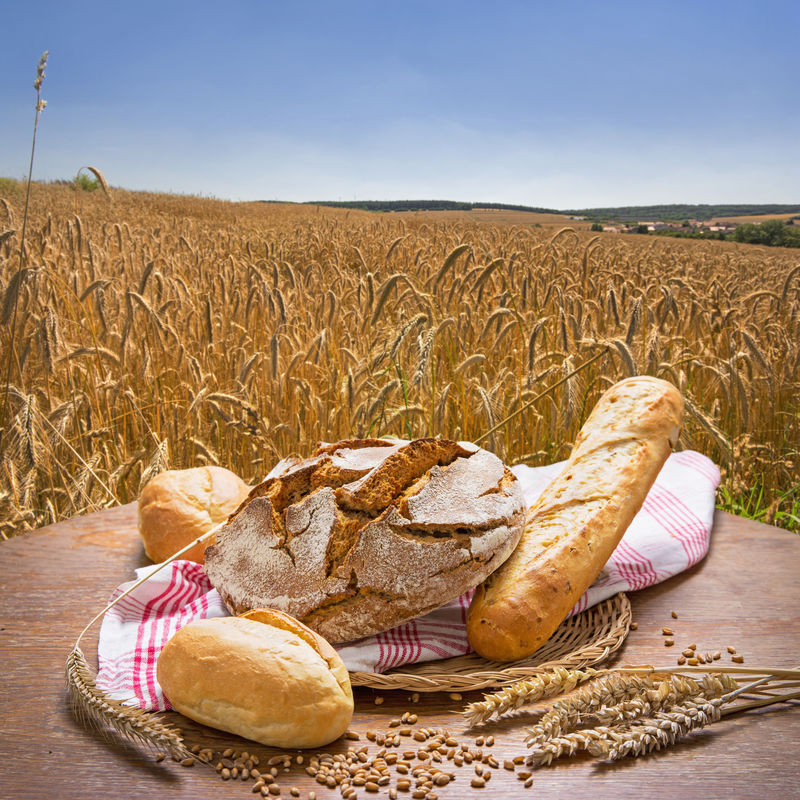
(746, 593)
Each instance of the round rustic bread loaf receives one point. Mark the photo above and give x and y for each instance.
(368, 533)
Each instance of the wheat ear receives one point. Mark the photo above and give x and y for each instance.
(93, 706)
(530, 690)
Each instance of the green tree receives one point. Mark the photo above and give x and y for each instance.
(83, 181)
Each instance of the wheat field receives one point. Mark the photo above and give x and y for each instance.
(152, 331)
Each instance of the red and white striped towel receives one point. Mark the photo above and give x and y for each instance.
(669, 534)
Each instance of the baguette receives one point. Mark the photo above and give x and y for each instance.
(572, 530)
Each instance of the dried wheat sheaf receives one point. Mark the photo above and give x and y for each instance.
(613, 714)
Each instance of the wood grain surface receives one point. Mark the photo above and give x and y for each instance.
(746, 593)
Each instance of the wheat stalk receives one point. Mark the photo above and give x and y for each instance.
(656, 717)
(95, 708)
(92, 705)
(40, 106)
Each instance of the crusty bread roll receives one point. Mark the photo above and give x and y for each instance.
(179, 505)
(264, 676)
(579, 519)
(368, 533)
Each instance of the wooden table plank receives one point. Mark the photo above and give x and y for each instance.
(52, 581)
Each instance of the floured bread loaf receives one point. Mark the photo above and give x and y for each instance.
(368, 533)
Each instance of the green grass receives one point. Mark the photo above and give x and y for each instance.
(784, 512)
(9, 186)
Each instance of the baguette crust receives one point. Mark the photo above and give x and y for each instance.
(580, 518)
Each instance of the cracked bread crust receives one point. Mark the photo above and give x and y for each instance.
(368, 533)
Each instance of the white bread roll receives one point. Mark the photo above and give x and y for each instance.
(264, 676)
(179, 505)
(578, 521)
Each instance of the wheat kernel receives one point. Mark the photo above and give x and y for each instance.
(693, 662)
(478, 783)
(731, 649)
(674, 614)
(682, 660)
(737, 659)
(667, 631)
(528, 783)
(717, 656)
(669, 642)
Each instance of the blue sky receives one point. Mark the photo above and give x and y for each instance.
(563, 105)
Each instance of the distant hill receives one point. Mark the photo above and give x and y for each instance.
(666, 213)
(669, 213)
(426, 205)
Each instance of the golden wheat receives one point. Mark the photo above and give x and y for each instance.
(174, 331)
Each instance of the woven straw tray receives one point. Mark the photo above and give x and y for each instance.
(585, 639)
